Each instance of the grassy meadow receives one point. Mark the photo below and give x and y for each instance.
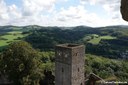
(96, 40)
(9, 37)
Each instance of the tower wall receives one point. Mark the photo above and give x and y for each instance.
(69, 64)
(78, 65)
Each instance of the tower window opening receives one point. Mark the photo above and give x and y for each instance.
(76, 54)
(62, 69)
(78, 69)
(59, 53)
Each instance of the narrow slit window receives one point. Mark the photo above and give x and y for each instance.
(78, 69)
(62, 69)
(76, 54)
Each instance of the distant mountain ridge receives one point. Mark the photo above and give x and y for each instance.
(81, 26)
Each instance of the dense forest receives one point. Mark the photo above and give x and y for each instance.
(110, 42)
(106, 51)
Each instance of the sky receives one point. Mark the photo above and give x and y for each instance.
(94, 13)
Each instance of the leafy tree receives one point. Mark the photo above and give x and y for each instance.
(107, 68)
(22, 64)
(48, 79)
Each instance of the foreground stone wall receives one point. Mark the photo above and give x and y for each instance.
(124, 9)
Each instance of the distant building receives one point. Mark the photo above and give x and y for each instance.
(69, 64)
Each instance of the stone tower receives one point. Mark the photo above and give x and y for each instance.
(69, 65)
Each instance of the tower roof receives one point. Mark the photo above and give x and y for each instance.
(70, 46)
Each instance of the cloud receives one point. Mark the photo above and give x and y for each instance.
(30, 12)
(3, 10)
(110, 6)
(14, 12)
(93, 2)
(46, 13)
(8, 13)
(78, 15)
(35, 7)
(72, 13)
(113, 9)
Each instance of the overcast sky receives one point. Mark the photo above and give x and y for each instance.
(61, 12)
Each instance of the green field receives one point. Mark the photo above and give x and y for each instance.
(96, 40)
(10, 37)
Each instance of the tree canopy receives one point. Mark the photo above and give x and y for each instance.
(21, 63)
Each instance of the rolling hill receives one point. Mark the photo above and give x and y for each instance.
(110, 41)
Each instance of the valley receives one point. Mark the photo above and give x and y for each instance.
(106, 47)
